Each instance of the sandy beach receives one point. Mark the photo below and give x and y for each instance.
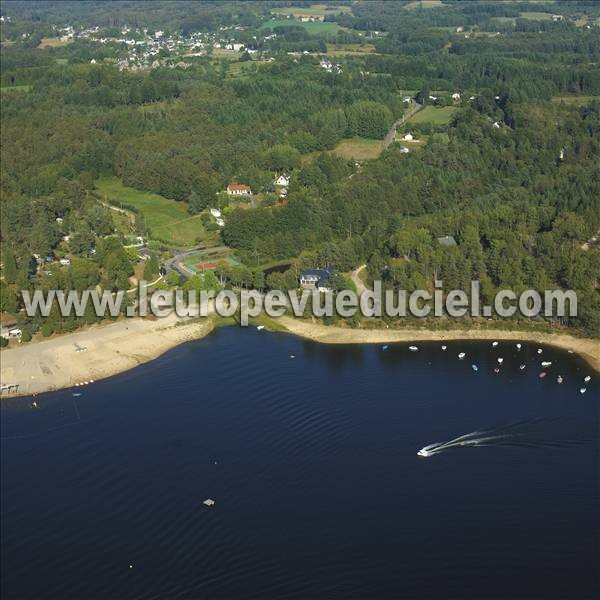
(94, 353)
(589, 349)
(105, 350)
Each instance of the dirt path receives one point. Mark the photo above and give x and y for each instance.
(358, 282)
(391, 134)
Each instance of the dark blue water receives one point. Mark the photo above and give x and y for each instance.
(312, 464)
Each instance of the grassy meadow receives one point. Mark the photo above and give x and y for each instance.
(168, 220)
(434, 116)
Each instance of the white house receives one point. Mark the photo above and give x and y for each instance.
(215, 212)
(238, 189)
(407, 137)
(496, 125)
(456, 96)
(283, 180)
(311, 279)
(65, 261)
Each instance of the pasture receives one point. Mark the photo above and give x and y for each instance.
(312, 27)
(359, 149)
(433, 115)
(168, 220)
(315, 10)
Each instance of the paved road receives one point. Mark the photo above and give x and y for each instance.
(391, 134)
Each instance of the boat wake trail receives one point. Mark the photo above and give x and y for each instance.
(524, 434)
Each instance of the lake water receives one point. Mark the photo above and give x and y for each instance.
(312, 464)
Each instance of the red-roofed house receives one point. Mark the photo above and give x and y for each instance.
(238, 189)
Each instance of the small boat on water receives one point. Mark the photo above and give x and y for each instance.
(559, 379)
(292, 356)
(587, 378)
(500, 360)
(494, 344)
(413, 348)
(518, 346)
(384, 348)
(444, 348)
(522, 367)
(77, 395)
(209, 502)
(542, 374)
(260, 327)
(497, 370)
(583, 390)
(546, 363)
(461, 355)
(540, 350)
(475, 367)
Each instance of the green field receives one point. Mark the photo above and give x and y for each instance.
(359, 149)
(424, 4)
(236, 69)
(350, 49)
(434, 116)
(168, 220)
(15, 88)
(536, 16)
(315, 10)
(312, 28)
(575, 100)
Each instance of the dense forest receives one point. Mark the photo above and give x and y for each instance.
(513, 176)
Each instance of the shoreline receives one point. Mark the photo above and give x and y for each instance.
(59, 363)
(586, 348)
